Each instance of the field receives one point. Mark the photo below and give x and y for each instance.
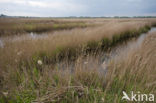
(62, 60)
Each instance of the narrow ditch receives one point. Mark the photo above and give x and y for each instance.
(102, 60)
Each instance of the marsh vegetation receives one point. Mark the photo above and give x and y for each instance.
(63, 66)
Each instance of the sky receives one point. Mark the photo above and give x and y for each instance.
(65, 8)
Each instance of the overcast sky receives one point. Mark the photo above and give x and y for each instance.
(61, 8)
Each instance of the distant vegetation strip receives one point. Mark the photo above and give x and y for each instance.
(18, 27)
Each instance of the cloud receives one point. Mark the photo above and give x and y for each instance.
(64, 7)
(134, 0)
(15, 1)
(78, 7)
(46, 4)
(59, 8)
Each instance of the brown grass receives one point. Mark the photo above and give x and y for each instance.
(130, 71)
(25, 81)
(13, 52)
(18, 26)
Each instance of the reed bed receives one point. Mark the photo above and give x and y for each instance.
(133, 70)
(70, 43)
(30, 69)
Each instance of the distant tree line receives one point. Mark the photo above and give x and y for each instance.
(5, 16)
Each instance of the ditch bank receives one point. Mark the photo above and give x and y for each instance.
(90, 48)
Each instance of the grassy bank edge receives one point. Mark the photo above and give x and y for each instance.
(91, 47)
(94, 91)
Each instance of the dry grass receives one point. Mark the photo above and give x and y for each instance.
(18, 26)
(130, 71)
(22, 79)
(53, 44)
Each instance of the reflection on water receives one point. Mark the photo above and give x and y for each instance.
(124, 49)
(103, 59)
(37, 36)
(23, 37)
(1, 44)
